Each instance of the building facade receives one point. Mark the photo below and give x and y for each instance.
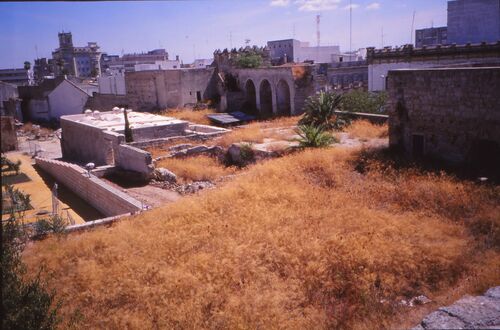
(381, 61)
(76, 61)
(52, 99)
(451, 114)
(292, 50)
(473, 21)
(431, 36)
(18, 77)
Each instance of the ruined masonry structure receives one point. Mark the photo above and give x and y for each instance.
(451, 113)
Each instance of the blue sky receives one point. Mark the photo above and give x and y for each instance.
(196, 28)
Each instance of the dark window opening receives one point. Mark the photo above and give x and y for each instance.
(417, 145)
(198, 96)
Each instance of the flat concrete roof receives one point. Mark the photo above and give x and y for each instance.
(115, 121)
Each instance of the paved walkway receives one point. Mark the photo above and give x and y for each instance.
(41, 195)
(479, 312)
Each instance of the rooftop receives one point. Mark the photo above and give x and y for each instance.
(115, 121)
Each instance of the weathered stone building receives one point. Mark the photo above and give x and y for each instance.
(451, 114)
(380, 61)
(161, 89)
(348, 75)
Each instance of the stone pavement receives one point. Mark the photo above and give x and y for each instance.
(479, 312)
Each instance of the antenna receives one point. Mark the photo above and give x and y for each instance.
(412, 25)
(350, 28)
(36, 50)
(318, 18)
(382, 35)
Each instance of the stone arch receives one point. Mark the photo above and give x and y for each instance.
(283, 102)
(266, 98)
(250, 105)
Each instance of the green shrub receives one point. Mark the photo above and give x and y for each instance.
(312, 136)
(361, 101)
(319, 111)
(26, 304)
(249, 60)
(55, 224)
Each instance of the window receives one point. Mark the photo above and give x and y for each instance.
(417, 145)
(198, 96)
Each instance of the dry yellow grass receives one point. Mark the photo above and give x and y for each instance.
(304, 241)
(197, 168)
(364, 130)
(193, 116)
(256, 132)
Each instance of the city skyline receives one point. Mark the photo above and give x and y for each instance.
(195, 29)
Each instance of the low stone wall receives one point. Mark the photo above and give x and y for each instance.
(371, 117)
(134, 159)
(105, 198)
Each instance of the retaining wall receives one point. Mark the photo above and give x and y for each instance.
(134, 159)
(105, 198)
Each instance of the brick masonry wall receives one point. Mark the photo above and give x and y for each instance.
(105, 198)
(451, 108)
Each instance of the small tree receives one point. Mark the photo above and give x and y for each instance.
(27, 65)
(128, 131)
(319, 111)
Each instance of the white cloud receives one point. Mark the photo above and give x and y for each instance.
(317, 5)
(373, 6)
(353, 6)
(279, 3)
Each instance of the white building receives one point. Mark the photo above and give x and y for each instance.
(158, 65)
(67, 98)
(113, 82)
(297, 51)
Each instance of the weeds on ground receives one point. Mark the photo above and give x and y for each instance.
(193, 116)
(196, 168)
(309, 240)
(364, 130)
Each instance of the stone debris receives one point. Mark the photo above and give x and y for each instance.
(480, 312)
(162, 174)
(194, 187)
(415, 301)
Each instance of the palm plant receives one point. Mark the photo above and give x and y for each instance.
(319, 110)
(314, 136)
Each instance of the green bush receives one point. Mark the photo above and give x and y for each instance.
(361, 101)
(26, 304)
(319, 111)
(54, 224)
(249, 60)
(313, 136)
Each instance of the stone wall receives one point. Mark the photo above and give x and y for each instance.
(106, 102)
(85, 143)
(161, 89)
(8, 130)
(134, 159)
(451, 114)
(105, 198)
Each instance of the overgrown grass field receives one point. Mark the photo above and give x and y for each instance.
(324, 238)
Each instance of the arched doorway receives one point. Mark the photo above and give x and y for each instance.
(250, 105)
(266, 99)
(283, 98)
